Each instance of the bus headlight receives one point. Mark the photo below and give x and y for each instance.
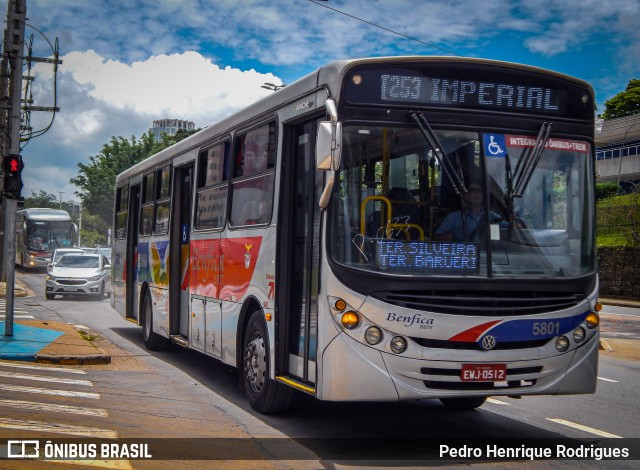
(398, 344)
(579, 334)
(562, 343)
(592, 320)
(373, 335)
(350, 320)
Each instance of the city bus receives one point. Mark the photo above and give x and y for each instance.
(302, 240)
(39, 231)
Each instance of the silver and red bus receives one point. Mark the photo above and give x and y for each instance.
(39, 231)
(382, 229)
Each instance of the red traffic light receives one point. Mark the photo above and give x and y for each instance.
(13, 165)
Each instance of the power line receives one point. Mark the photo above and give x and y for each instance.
(383, 28)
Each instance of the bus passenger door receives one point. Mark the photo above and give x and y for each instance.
(298, 256)
(179, 254)
(131, 255)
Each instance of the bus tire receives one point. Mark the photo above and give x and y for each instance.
(463, 403)
(264, 394)
(152, 341)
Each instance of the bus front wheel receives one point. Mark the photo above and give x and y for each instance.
(463, 403)
(264, 394)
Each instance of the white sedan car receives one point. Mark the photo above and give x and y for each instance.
(79, 274)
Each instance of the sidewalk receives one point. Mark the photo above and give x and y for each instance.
(47, 341)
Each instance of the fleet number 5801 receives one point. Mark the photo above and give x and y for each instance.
(542, 328)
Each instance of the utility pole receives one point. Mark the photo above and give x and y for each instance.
(13, 54)
(13, 131)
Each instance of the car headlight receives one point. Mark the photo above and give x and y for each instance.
(51, 278)
(95, 278)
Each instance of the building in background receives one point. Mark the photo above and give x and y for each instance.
(618, 151)
(170, 126)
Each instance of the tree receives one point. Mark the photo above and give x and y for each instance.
(624, 103)
(42, 199)
(97, 179)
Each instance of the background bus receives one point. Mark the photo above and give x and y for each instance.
(381, 229)
(39, 231)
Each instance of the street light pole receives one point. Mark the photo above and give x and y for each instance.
(61, 193)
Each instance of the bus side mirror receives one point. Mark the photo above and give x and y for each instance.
(328, 151)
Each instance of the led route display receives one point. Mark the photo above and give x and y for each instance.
(426, 257)
(471, 93)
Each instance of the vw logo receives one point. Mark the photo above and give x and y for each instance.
(488, 342)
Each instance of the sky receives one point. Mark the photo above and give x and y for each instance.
(126, 63)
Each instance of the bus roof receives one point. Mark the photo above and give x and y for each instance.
(329, 78)
(36, 213)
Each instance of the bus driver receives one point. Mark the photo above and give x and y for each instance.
(454, 228)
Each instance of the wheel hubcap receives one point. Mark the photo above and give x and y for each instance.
(255, 363)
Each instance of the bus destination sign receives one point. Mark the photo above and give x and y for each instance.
(426, 257)
(483, 94)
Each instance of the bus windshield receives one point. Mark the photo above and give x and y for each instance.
(479, 203)
(47, 236)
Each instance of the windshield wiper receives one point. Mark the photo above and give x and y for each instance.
(447, 167)
(529, 160)
(517, 181)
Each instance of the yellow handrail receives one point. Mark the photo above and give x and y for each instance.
(389, 226)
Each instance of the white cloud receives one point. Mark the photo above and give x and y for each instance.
(100, 98)
(185, 86)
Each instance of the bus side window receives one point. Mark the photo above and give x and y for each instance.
(253, 176)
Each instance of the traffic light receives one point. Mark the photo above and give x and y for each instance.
(12, 168)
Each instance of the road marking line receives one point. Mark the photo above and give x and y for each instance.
(498, 402)
(30, 405)
(619, 314)
(20, 317)
(54, 369)
(48, 391)
(607, 380)
(39, 378)
(43, 427)
(584, 428)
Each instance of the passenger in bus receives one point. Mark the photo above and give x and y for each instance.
(454, 228)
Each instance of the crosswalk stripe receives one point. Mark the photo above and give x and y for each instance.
(14, 375)
(33, 406)
(42, 427)
(48, 369)
(49, 391)
(20, 317)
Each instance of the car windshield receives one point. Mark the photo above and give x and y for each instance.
(79, 261)
(478, 204)
(60, 253)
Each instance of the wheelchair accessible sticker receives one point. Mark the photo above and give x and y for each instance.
(494, 145)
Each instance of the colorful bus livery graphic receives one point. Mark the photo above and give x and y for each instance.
(223, 269)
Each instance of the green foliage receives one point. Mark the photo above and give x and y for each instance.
(624, 103)
(605, 190)
(97, 179)
(42, 199)
(618, 220)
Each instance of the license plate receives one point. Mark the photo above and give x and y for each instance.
(483, 372)
(70, 289)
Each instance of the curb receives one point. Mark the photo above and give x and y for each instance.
(90, 359)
